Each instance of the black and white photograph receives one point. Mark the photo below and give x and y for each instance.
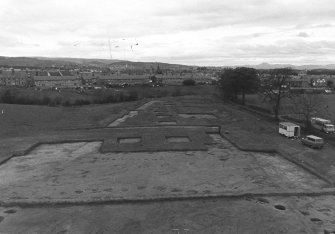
(167, 117)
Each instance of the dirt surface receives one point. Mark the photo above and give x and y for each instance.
(78, 172)
(292, 215)
(187, 165)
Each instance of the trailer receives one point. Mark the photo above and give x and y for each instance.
(289, 129)
(324, 125)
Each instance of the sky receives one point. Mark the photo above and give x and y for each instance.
(192, 32)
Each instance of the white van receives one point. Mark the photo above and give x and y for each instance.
(289, 129)
(313, 141)
(324, 125)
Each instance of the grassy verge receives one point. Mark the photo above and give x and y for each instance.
(67, 97)
(256, 102)
(23, 120)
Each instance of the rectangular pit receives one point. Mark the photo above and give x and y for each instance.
(167, 123)
(129, 140)
(198, 116)
(178, 139)
(163, 116)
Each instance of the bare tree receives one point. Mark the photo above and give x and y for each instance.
(274, 89)
(307, 105)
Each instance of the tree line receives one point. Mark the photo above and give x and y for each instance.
(273, 88)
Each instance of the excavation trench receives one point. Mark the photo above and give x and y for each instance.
(74, 172)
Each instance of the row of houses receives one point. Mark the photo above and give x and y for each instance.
(15, 78)
(304, 81)
(67, 79)
(47, 79)
(310, 81)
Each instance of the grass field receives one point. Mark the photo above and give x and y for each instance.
(70, 97)
(174, 90)
(286, 105)
(18, 120)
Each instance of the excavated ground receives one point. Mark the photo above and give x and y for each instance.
(75, 172)
(170, 165)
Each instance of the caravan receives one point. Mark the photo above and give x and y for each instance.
(289, 129)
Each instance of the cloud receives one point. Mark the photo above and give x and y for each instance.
(303, 34)
(188, 31)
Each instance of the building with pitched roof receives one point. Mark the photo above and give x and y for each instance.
(57, 79)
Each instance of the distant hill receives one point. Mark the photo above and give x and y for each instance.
(99, 63)
(148, 65)
(52, 62)
(297, 67)
(31, 62)
(82, 61)
(66, 62)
